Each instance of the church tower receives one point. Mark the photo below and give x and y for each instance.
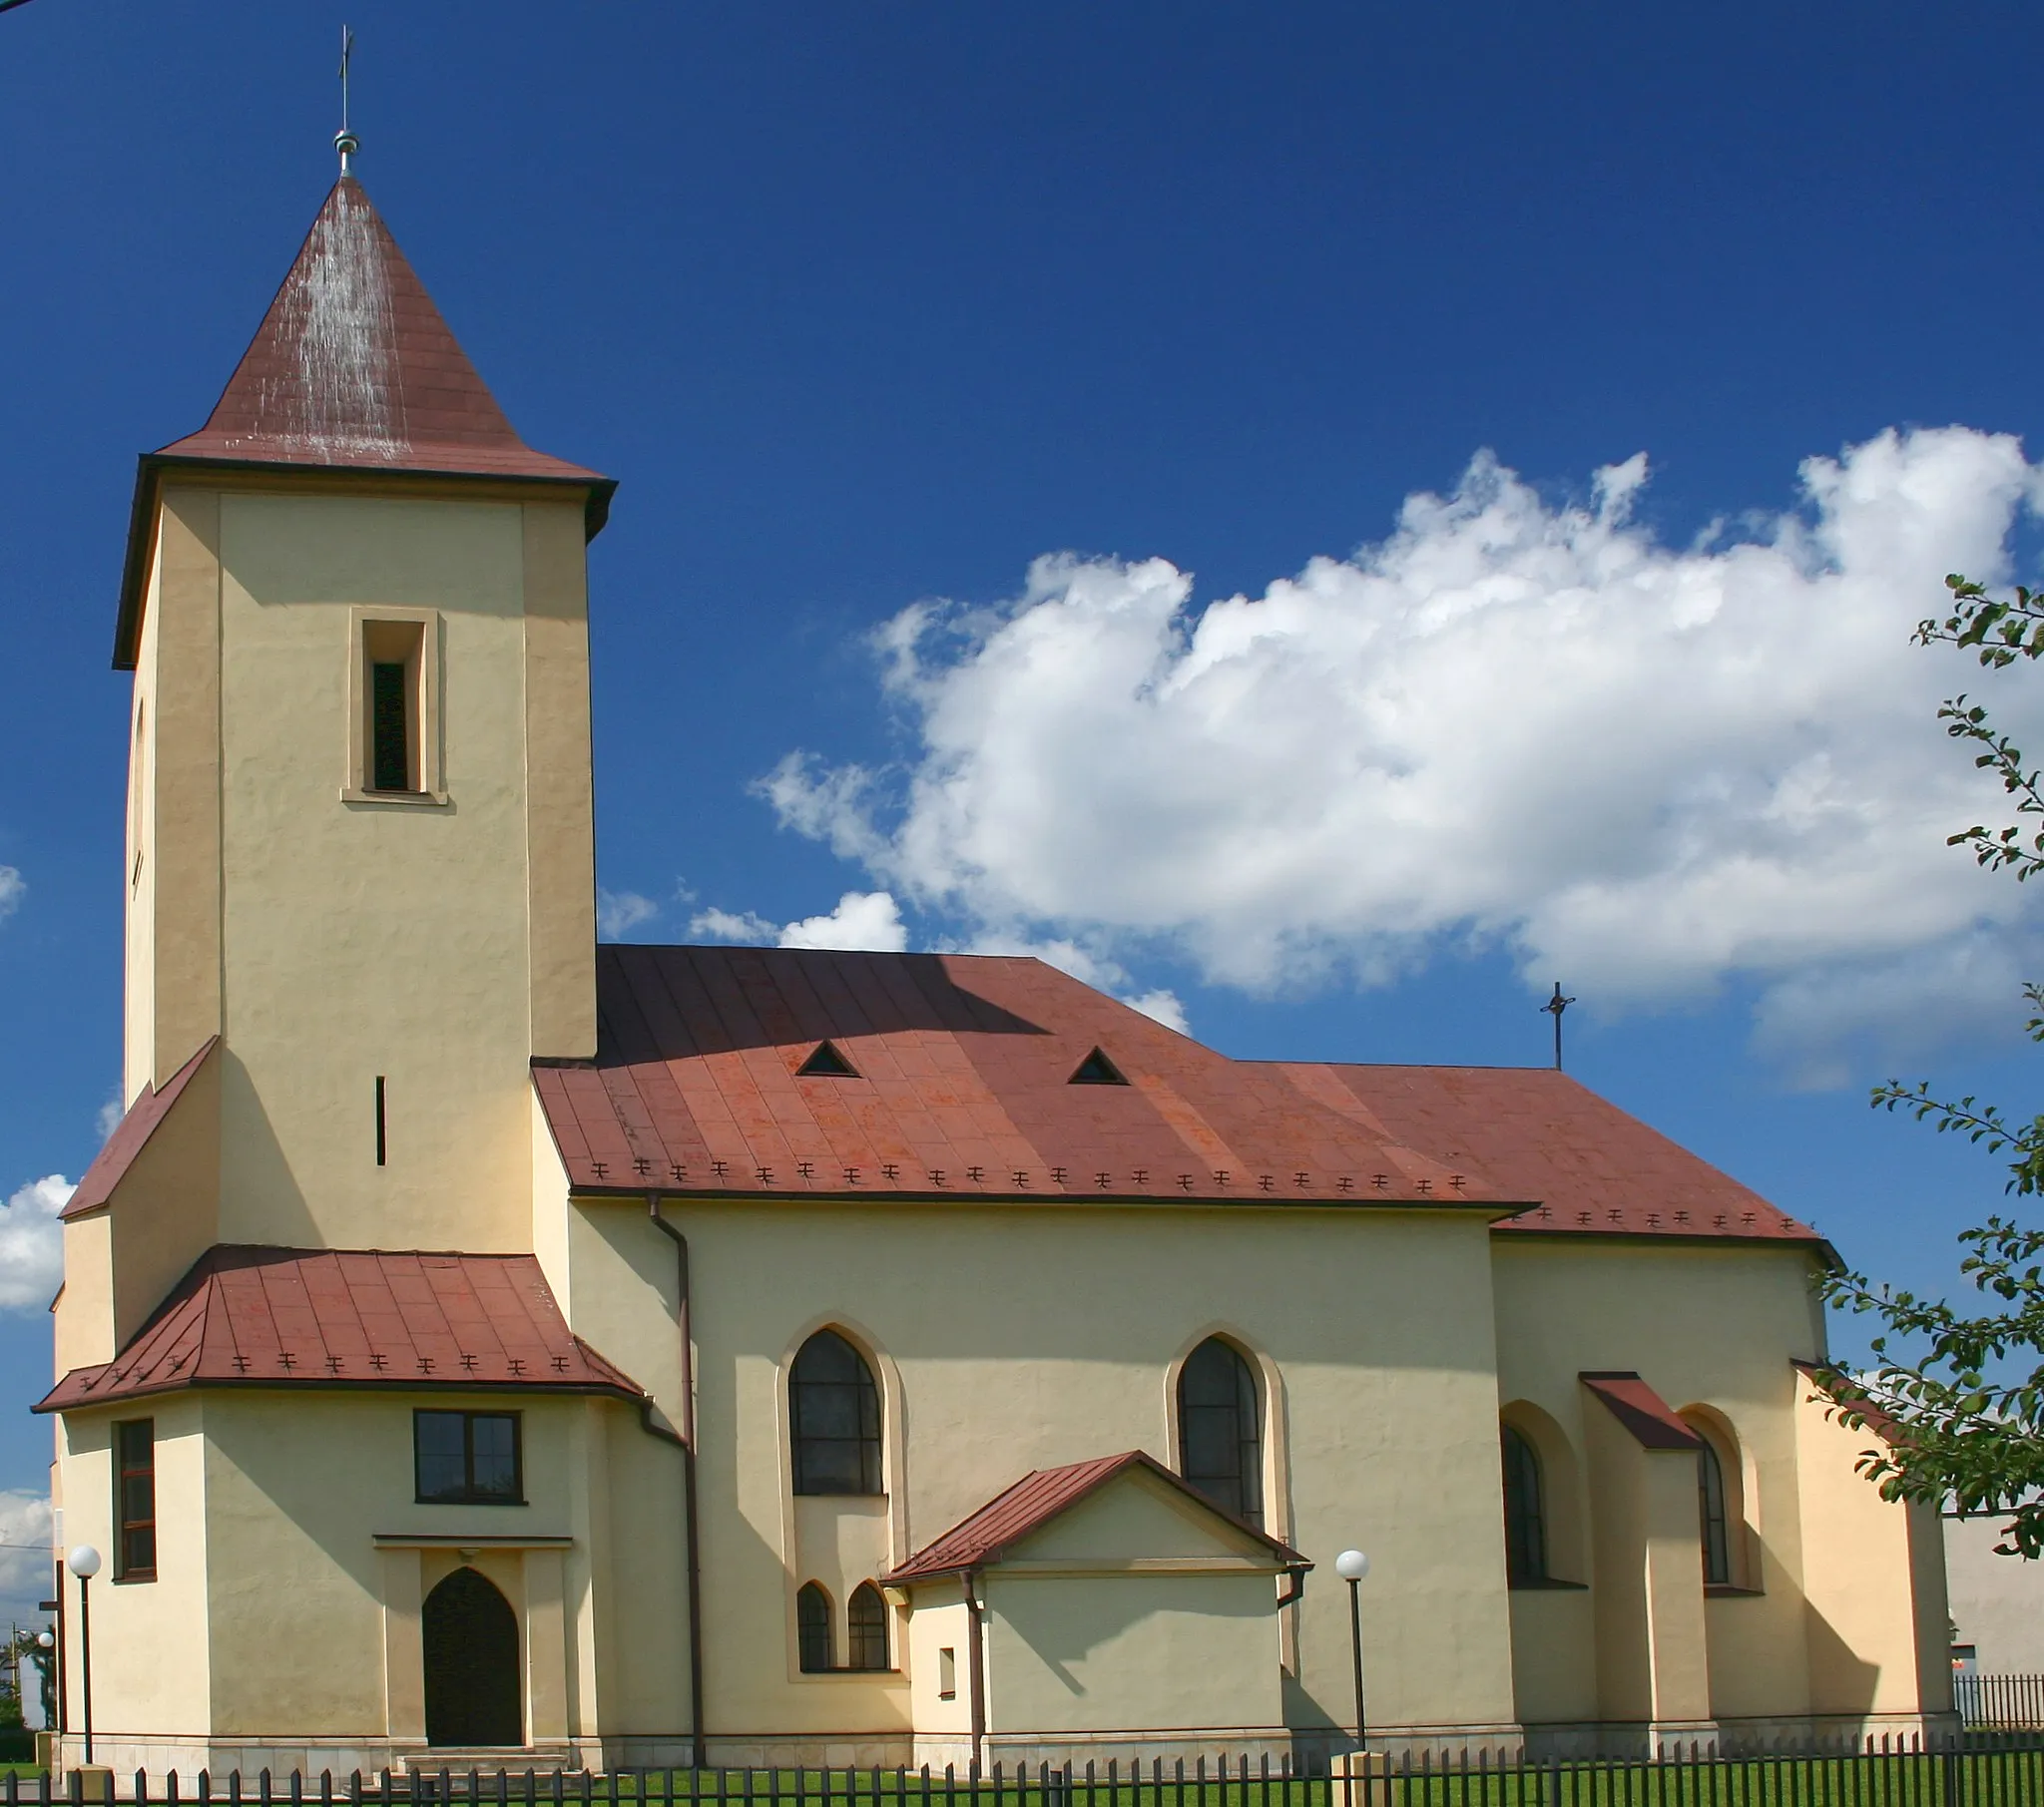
(359, 866)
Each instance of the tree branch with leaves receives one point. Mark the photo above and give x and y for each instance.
(1959, 1397)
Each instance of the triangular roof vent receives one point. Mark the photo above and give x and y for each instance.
(827, 1064)
(1096, 1070)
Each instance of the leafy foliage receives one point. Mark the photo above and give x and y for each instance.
(1958, 1398)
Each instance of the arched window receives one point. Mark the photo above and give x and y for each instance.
(835, 1417)
(1525, 1512)
(1218, 1433)
(1716, 1538)
(813, 1629)
(865, 1622)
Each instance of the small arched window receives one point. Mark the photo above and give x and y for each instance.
(1713, 1523)
(834, 1418)
(865, 1624)
(1220, 1434)
(1525, 1512)
(813, 1629)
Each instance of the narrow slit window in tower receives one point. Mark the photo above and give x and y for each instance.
(393, 722)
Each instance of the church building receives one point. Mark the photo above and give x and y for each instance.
(479, 1344)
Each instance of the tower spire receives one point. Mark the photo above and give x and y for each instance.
(346, 141)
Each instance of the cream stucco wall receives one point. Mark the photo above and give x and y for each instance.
(1133, 1612)
(174, 939)
(1016, 1337)
(1704, 1326)
(153, 1642)
(439, 945)
(394, 926)
(1874, 1579)
(1131, 1653)
(294, 1560)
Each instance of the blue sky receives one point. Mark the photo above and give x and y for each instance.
(873, 306)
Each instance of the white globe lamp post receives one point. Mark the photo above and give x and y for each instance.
(84, 1561)
(1352, 1566)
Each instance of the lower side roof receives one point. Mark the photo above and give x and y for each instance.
(298, 1317)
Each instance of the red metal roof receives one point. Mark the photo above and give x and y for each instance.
(962, 1065)
(353, 365)
(273, 1317)
(1540, 1135)
(130, 1135)
(1654, 1423)
(984, 1538)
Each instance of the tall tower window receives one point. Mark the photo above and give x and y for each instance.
(865, 1625)
(390, 726)
(812, 1629)
(392, 730)
(1711, 1515)
(1525, 1512)
(135, 1500)
(835, 1413)
(1219, 1431)
(394, 706)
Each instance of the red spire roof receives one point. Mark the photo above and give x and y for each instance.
(353, 369)
(353, 365)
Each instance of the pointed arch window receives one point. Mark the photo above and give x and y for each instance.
(1220, 1429)
(812, 1629)
(833, 1418)
(1525, 1512)
(865, 1625)
(1713, 1522)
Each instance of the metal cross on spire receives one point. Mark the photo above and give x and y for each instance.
(1554, 1006)
(346, 141)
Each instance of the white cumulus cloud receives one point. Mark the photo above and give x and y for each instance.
(1644, 768)
(32, 1244)
(12, 888)
(618, 912)
(25, 1552)
(867, 920)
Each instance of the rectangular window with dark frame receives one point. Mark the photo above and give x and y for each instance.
(467, 1459)
(135, 1500)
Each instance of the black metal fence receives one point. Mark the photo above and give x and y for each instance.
(1976, 1770)
(2003, 1702)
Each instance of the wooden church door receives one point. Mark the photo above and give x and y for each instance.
(470, 1635)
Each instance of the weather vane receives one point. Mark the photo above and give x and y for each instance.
(1554, 1006)
(346, 141)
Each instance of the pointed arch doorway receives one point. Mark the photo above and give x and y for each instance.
(471, 1638)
